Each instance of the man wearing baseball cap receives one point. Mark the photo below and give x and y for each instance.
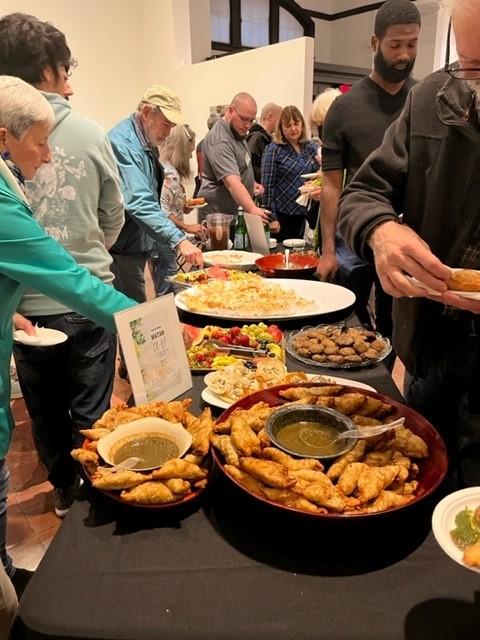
(135, 143)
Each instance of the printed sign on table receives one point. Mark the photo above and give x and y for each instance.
(152, 343)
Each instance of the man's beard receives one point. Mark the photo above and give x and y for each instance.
(388, 72)
(235, 133)
(474, 85)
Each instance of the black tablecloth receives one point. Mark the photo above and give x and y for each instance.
(229, 567)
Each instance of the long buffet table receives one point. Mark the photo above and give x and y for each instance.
(228, 567)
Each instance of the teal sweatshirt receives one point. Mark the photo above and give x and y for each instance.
(28, 256)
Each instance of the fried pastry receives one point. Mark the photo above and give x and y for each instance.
(201, 430)
(464, 280)
(372, 480)
(409, 443)
(365, 421)
(246, 480)
(108, 420)
(374, 408)
(243, 436)
(95, 434)
(293, 500)
(89, 459)
(378, 458)
(124, 479)
(178, 486)
(196, 459)
(309, 475)
(387, 500)
(224, 444)
(347, 482)
(179, 468)
(150, 493)
(302, 392)
(271, 473)
(322, 493)
(354, 455)
(272, 453)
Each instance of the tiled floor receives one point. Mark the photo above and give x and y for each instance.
(31, 520)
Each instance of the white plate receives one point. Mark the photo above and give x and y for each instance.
(294, 243)
(231, 259)
(472, 295)
(199, 206)
(328, 298)
(215, 400)
(308, 188)
(309, 176)
(45, 337)
(443, 520)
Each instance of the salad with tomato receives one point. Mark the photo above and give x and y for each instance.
(201, 355)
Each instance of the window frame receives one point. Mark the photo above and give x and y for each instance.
(235, 44)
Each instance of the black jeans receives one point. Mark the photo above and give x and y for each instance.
(66, 387)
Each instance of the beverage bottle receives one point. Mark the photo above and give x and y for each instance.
(241, 234)
(266, 228)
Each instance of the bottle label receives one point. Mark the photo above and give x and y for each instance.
(239, 242)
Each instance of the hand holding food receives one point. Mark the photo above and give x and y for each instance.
(195, 202)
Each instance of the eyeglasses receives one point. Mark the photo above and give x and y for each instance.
(244, 118)
(454, 69)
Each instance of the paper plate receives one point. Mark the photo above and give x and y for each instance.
(443, 521)
(471, 295)
(44, 338)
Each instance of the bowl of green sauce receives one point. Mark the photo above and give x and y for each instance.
(308, 431)
(153, 440)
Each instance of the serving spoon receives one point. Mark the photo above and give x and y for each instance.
(287, 258)
(128, 463)
(368, 432)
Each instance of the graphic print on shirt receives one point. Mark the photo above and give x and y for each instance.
(54, 187)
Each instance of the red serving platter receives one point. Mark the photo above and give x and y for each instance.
(432, 470)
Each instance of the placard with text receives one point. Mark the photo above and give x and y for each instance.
(151, 338)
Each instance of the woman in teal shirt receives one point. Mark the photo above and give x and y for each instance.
(28, 256)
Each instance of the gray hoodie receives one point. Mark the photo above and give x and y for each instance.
(76, 198)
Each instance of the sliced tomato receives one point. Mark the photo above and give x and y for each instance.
(217, 272)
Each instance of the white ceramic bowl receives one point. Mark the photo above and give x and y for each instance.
(443, 520)
(171, 430)
(294, 243)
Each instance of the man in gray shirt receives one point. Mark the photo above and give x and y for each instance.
(227, 178)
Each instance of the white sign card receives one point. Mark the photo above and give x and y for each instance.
(152, 343)
(256, 233)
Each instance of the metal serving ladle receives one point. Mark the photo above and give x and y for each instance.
(368, 432)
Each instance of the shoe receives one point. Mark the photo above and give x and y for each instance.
(63, 498)
(20, 579)
(15, 392)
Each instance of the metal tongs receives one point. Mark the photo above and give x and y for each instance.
(234, 349)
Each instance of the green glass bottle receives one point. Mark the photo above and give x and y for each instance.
(241, 233)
